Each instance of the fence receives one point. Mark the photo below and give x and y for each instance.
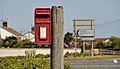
(109, 52)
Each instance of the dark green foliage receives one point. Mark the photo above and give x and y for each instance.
(13, 42)
(100, 45)
(113, 44)
(67, 66)
(26, 44)
(67, 55)
(41, 56)
(21, 63)
(17, 63)
(68, 38)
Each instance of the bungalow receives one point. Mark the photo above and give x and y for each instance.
(6, 32)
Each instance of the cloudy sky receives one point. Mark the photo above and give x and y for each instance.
(20, 14)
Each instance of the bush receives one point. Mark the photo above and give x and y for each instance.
(18, 63)
(41, 56)
(13, 42)
(67, 66)
(68, 54)
(75, 55)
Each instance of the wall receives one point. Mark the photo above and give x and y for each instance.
(21, 51)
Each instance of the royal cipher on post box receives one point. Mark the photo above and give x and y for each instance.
(43, 27)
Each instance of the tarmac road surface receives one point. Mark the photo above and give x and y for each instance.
(102, 64)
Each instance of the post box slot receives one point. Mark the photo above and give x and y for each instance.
(43, 16)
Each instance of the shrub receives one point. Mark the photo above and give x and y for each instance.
(17, 63)
(67, 66)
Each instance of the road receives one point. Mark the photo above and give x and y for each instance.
(104, 64)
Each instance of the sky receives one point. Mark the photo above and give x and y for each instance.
(20, 14)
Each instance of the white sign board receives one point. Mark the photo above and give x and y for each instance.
(86, 33)
(83, 22)
(84, 28)
(87, 38)
(42, 32)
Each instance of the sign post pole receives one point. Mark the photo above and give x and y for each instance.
(83, 47)
(75, 43)
(92, 51)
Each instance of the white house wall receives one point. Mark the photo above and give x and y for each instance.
(5, 33)
(30, 36)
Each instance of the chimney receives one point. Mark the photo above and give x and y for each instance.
(33, 29)
(5, 24)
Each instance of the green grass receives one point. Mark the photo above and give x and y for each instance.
(88, 58)
(86, 68)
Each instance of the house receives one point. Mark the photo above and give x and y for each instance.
(88, 43)
(6, 31)
(30, 36)
(101, 40)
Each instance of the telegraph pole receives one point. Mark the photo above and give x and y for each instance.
(57, 57)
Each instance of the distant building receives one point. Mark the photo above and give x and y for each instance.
(33, 30)
(6, 31)
(88, 43)
(101, 40)
(30, 36)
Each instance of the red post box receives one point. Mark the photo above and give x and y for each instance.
(43, 27)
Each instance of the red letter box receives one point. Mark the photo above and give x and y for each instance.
(43, 26)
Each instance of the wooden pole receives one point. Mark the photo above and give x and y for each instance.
(57, 57)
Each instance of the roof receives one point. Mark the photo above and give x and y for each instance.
(29, 32)
(11, 31)
(100, 39)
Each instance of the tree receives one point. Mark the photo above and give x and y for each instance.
(26, 44)
(100, 45)
(68, 38)
(117, 46)
(108, 45)
(11, 42)
(115, 42)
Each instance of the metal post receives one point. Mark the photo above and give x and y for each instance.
(84, 47)
(75, 43)
(92, 51)
(57, 57)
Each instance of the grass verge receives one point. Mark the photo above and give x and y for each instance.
(94, 58)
